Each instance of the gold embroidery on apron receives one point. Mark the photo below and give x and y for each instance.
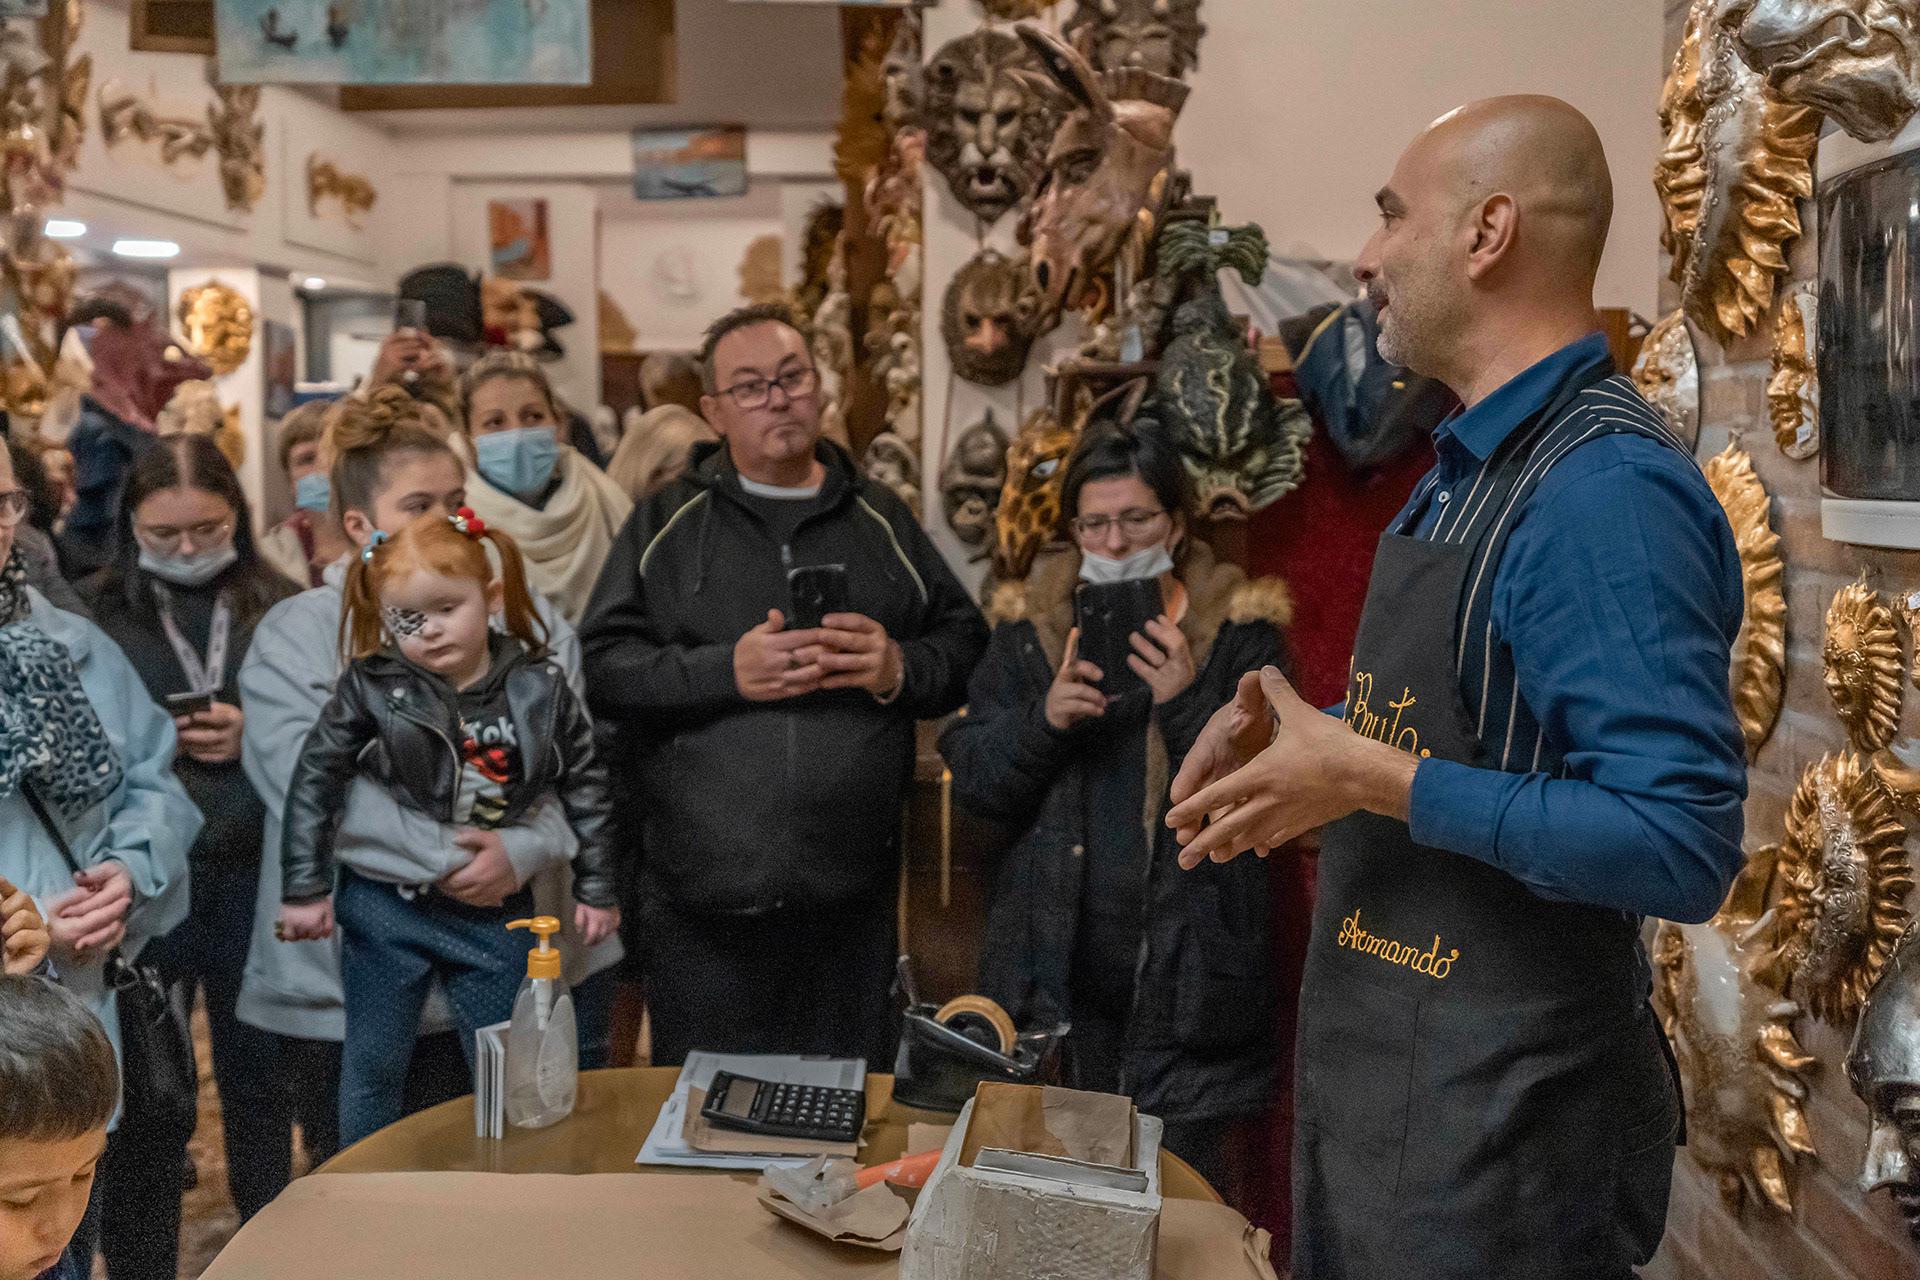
(1429, 962)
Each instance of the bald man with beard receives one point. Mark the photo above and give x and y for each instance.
(1538, 750)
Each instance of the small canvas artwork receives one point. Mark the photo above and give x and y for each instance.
(689, 164)
(518, 247)
(404, 41)
(280, 367)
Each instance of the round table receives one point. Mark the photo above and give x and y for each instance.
(615, 1112)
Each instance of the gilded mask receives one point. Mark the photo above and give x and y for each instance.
(1030, 502)
(1736, 161)
(1793, 392)
(971, 481)
(217, 322)
(1854, 61)
(1759, 665)
(1862, 657)
(1883, 1066)
(989, 318)
(1107, 169)
(1845, 881)
(1668, 375)
(987, 127)
(1743, 1071)
(1161, 36)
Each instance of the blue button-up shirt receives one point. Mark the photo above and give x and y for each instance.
(1619, 595)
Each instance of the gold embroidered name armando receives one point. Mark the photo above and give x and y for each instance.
(1429, 962)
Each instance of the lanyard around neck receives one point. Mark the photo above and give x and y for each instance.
(207, 676)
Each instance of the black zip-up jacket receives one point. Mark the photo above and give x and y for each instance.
(399, 724)
(748, 807)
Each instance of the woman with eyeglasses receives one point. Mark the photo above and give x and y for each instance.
(558, 507)
(1163, 974)
(181, 598)
(94, 826)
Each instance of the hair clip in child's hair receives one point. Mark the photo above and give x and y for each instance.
(373, 544)
(468, 523)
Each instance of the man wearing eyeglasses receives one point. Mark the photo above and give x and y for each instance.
(769, 760)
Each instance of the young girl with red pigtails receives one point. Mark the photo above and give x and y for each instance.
(468, 724)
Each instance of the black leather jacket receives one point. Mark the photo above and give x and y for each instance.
(397, 723)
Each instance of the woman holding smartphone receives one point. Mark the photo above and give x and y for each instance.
(1164, 974)
(181, 598)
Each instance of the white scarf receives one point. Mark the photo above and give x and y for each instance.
(565, 543)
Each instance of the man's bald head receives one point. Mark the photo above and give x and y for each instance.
(1545, 155)
(1494, 222)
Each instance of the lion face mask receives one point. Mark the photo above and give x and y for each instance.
(989, 318)
(987, 128)
(1161, 36)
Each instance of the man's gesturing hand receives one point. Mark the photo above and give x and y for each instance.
(768, 664)
(1314, 770)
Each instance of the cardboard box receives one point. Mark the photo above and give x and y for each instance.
(1040, 1182)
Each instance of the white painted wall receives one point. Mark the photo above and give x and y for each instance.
(653, 252)
(572, 218)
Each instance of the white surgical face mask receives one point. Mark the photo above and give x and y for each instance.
(194, 570)
(1148, 562)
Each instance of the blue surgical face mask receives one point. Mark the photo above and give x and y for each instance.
(313, 492)
(194, 570)
(519, 461)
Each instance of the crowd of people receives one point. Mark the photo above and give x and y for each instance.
(310, 776)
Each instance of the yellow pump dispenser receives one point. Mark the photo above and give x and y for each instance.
(544, 960)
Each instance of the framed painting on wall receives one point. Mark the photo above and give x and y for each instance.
(405, 41)
(690, 164)
(517, 240)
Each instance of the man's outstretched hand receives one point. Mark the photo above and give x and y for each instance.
(1268, 767)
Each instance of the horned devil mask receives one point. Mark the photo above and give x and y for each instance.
(1161, 36)
(987, 128)
(1110, 159)
(989, 318)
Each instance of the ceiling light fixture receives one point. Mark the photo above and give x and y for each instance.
(65, 229)
(146, 248)
(314, 284)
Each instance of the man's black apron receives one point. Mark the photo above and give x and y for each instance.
(1483, 1091)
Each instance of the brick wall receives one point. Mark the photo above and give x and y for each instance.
(1834, 1232)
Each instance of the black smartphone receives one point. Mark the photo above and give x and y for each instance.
(1108, 613)
(813, 592)
(186, 704)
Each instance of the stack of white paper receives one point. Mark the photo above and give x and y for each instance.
(667, 1144)
(490, 1081)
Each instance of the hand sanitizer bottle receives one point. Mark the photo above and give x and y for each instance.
(543, 1046)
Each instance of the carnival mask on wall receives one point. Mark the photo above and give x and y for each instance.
(1883, 1066)
(1243, 446)
(1668, 375)
(987, 126)
(1845, 881)
(1862, 657)
(891, 463)
(989, 318)
(1110, 163)
(1735, 163)
(1161, 36)
(971, 481)
(217, 322)
(900, 73)
(1744, 1073)
(1759, 665)
(1029, 514)
(1793, 392)
(1854, 61)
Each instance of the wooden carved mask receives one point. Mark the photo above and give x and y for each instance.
(989, 318)
(1161, 36)
(987, 126)
(1108, 166)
